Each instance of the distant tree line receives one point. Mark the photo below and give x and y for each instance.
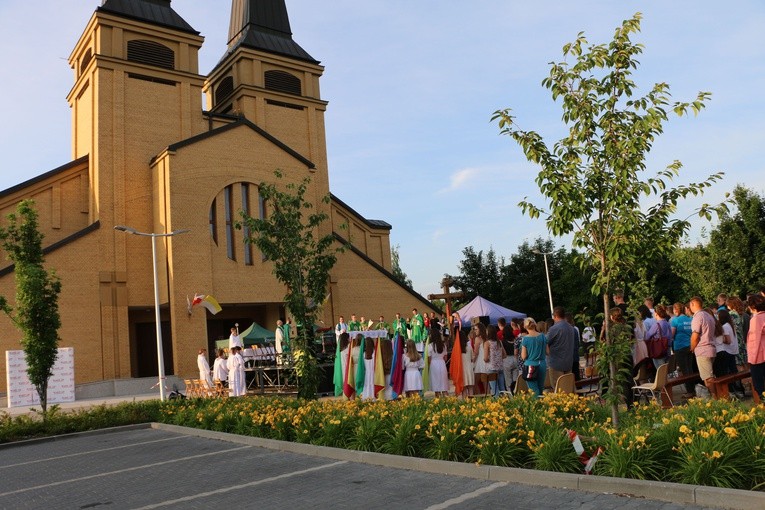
(730, 258)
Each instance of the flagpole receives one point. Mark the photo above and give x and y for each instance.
(160, 354)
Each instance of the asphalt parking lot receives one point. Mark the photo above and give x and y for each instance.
(144, 468)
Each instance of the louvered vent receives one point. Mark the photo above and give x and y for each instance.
(283, 82)
(86, 60)
(224, 89)
(151, 53)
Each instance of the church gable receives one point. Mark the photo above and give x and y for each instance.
(61, 199)
(215, 133)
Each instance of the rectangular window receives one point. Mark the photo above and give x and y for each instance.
(245, 230)
(214, 221)
(229, 207)
(262, 213)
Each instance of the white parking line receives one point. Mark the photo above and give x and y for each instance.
(93, 451)
(126, 470)
(467, 496)
(240, 486)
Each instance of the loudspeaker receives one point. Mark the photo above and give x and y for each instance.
(484, 319)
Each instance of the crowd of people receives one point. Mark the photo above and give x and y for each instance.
(229, 365)
(489, 359)
(227, 370)
(703, 343)
(711, 341)
(485, 359)
(425, 352)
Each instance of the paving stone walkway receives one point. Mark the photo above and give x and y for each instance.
(148, 468)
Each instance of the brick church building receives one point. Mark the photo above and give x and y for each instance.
(148, 154)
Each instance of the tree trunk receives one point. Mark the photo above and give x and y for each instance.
(42, 392)
(305, 357)
(612, 366)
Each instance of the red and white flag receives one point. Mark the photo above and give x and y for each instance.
(207, 301)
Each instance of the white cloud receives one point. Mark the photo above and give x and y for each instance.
(437, 234)
(459, 179)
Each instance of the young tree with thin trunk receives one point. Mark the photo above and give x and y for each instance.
(288, 238)
(595, 182)
(36, 314)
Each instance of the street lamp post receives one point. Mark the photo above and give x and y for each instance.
(160, 354)
(547, 273)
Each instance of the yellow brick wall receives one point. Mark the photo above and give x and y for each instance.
(374, 242)
(80, 310)
(359, 288)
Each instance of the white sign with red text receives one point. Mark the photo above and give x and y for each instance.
(60, 385)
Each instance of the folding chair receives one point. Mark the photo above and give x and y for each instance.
(249, 357)
(521, 386)
(591, 388)
(200, 389)
(191, 392)
(220, 390)
(655, 388)
(270, 354)
(642, 374)
(485, 379)
(565, 384)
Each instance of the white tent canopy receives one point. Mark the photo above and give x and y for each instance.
(481, 307)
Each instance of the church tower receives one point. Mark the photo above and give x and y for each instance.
(266, 77)
(137, 89)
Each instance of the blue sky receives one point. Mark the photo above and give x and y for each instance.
(412, 86)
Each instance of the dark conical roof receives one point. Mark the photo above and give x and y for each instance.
(264, 25)
(157, 12)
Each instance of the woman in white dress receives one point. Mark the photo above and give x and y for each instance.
(482, 368)
(356, 350)
(345, 343)
(235, 363)
(439, 378)
(386, 350)
(204, 369)
(369, 370)
(412, 363)
(468, 358)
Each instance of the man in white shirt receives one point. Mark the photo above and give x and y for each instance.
(220, 370)
(341, 327)
(235, 364)
(279, 344)
(234, 340)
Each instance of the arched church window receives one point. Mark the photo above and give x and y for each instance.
(282, 81)
(228, 207)
(150, 53)
(245, 230)
(225, 227)
(214, 221)
(86, 60)
(224, 89)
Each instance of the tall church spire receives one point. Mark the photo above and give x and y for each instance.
(157, 12)
(264, 25)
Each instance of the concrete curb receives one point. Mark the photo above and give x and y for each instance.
(661, 491)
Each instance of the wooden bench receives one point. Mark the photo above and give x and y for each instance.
(588, 386)
(666, 395)
(721, 385)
